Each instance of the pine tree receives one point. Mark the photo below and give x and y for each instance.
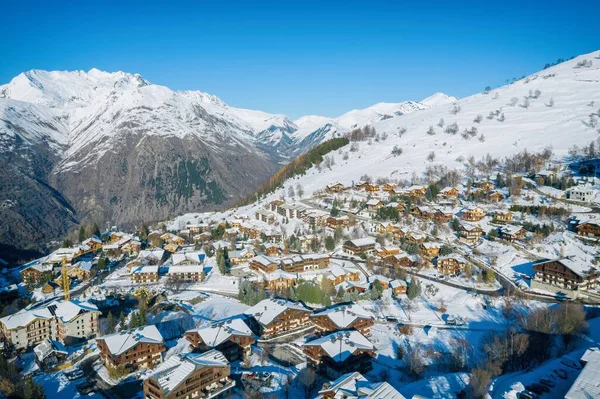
(95, 230)
(122, 321)
(81, 234)
(110, 320)
(329, 243)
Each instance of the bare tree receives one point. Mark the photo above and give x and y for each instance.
(478, 119)
(175, 283)
(431, 131)
(299, 190)
(308, 381)
(431, 156)
(441, 123)
(513, 101)
(526, 103)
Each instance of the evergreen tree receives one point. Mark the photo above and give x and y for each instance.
(414, 289)
(111, 323)
(329, 243)
(122, 321)
(334, 208)
(95, 230)
(81, 234)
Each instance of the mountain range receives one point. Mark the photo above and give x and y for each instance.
(80, 147)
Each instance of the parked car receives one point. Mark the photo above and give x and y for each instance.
(527, 395)
(86, 388)
(570, 362)
(548, 382)
(74, 375)
(561, 373)
(537, 388)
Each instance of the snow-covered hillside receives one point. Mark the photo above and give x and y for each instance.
(557, 118)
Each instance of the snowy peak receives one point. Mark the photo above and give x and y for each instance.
(438, 99)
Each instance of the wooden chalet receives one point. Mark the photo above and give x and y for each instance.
(305, 262)
(512, 233)
(472, 214)
(443, 215)
(503, 216)
(400, 260)
(145, 275)
(451, 264)
(485, 185)
(355, 385)
(449, 192)
(359, 246)
(422, 212)
(340, 352)
(470, 233)
(567, 273)
(274, 317)
(588, 229)
(232, 337)
(334, 188)
(416, 191)
(389, 187)
(280, 280)
(263, 264)
(399, 287)
(133, 349)
(383, 281)
(430, 249)
(192, 375)
(338, 221)
(374, 204)
(342, 316)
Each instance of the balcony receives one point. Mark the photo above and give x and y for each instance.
(217, 388)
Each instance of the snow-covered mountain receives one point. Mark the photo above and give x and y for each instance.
(550, 108)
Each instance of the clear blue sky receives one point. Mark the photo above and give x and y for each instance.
(303, 57)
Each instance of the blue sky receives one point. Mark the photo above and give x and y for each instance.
(301, 57)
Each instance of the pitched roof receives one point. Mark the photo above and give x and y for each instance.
(340, 345)
(363, 242)
(267, 310)
(587, 384)
(343, 314)
(123, 341)
(171, 373)
(47, 347)
(220, 331)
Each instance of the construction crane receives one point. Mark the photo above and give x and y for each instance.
(65, 279)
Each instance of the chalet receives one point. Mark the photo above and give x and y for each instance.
(316, 217)
(370, 187)
(36, 273)
(342, 316)
(546, 175)
(305, 262)
(186, 273)
(263, 264)
(145, 275)
(340, 352)
(280, 280)
(81, 270)
(496, 196)
(147, 257)
(389, 187)
(399, 287)
(503, 216)
(470, 233)
(414, 237)
(192, 375)
(512, 233)
(334, 188)
(173, 239)
(416, 191)
(308, 241)
(374, 204)
(221, 244)
(274, 317)
(230, 336)
(423, 212)
(472, 214)
(360, 246)
(272, 249)
(398, 205)
(274, 205)
(198, 228)
(338, 221)
(355, 385)
(430, 249)
(273, 236)
(242, 255)
(442, 215)
(485, 185)
(265, 216)
(134, 349)
(567, 273)
(202, 237)
(382, 280)
(350, 287)
(131, 248)
(401, 260)
(65, 321)
(451, 264)
(580, 193)
(192, 258)
(49, 354)
(449, 193)
(383, 251)
(589, 229)
(292, 211)
(338, 274)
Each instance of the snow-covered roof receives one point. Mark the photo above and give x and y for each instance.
(152, 254)
(373, 202)
(47, 347)
(220, 331)
(587, 384)
(263, 260)
(343, 314)
(355, 385)
(146, 269)
(268, 310)
(195, 256)
(510, 229)
(171, 373)
(123, 341)
(341, 345)
(378, 277)
(280, 274)
(185, 269)
(363, 242)
(398, 283)
(456, 257)
(577, 265)
(64, 310)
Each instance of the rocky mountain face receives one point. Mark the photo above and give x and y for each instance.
(80, 147)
